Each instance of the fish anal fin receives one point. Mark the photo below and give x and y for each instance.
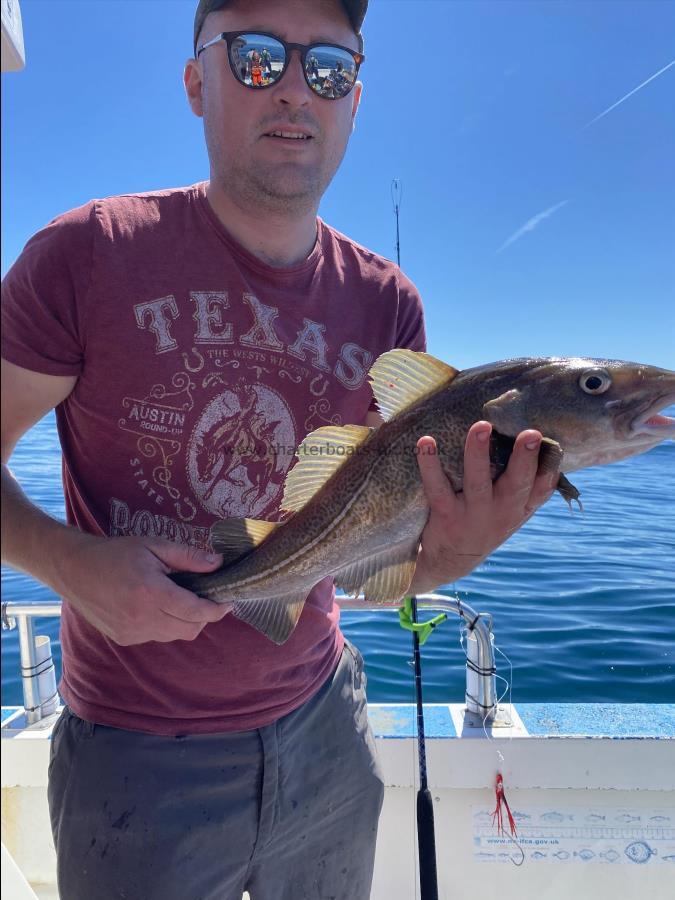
(275, 618)
(383, 577)
(320, 455)
(391, 583)
(400, 378)
(235, 538)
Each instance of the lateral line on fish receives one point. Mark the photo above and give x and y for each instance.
(310, 546)
(307, 547)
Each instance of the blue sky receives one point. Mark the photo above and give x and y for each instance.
(479, 108)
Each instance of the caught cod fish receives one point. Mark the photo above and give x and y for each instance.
(355, 498)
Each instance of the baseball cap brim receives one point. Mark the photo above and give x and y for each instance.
(355, 9)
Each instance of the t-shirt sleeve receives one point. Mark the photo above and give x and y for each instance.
(410, 331)
(44, 296)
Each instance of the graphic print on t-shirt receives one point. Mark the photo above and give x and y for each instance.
(234, 461)
(236, 410)
(158, 419)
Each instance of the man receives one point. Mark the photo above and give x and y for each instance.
(197, 759)
(266, 61)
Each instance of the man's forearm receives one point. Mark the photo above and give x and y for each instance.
(33, 541)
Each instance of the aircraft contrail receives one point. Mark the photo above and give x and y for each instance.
(531, 224)
(630, 93)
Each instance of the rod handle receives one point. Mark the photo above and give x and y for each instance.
(426, 842)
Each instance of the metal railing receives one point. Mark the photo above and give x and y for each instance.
(480, 695)
(20, 616)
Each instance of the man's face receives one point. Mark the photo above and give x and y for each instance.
(276, 174)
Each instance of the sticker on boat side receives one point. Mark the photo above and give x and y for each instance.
(604, 835)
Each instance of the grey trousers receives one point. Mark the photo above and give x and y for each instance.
(286, 812)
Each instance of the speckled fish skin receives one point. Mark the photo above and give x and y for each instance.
(375, 503)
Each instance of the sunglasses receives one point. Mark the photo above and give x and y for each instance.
(259, 60)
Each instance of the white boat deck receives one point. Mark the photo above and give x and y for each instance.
(591, 787)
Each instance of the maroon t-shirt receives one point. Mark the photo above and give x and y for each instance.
(200, 369)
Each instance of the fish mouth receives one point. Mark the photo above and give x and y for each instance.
(651, 423)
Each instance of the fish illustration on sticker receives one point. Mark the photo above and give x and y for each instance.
(639, 852)
(554, 817)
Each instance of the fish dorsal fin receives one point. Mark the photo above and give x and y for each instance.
(400, 378)
(320, 455)
(235, 538)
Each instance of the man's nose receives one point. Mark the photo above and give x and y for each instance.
(293, 88)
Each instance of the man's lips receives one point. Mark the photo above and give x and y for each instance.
(289, 134)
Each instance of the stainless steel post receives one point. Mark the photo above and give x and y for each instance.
(29, 679)
(20, 616)
(481, 695)
(480, 676)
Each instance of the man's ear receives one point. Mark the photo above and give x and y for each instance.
(193, 80)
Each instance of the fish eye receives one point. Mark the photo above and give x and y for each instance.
(596, 381)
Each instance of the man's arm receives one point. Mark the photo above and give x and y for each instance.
(118, 584)
(463, 529)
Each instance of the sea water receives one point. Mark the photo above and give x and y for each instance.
(583, 603)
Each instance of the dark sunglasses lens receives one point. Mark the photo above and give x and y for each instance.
(257, 59)
(331, 72)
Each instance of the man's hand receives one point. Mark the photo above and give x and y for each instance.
(120, 586)
(463, 529)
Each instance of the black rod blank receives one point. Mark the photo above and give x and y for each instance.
(426, 836)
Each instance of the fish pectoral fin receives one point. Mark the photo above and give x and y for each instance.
(568, 492)
(550, 456)
(275, 618)
(235, 538)
(320, 455)
(383, 577)
(400, 378)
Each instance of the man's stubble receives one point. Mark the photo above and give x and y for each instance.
(286, 189)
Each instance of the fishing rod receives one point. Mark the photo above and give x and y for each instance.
(426, 834)
(396, 194)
